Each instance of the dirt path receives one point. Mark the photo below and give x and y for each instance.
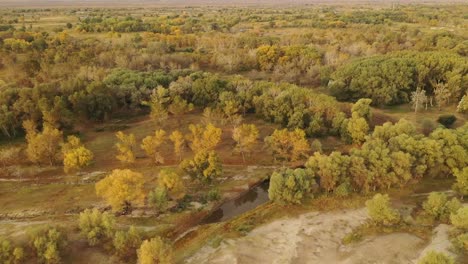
(312, 238)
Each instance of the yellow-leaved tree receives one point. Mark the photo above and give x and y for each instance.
(245, 136)
(125, 147)
(121, 189)
(75, 155)
(288, 145)
(43, 147)
(178, 140)
(205, 166)
(155, 251)
(172, 182)
(151, 145)
(358, 129)
(204, 138)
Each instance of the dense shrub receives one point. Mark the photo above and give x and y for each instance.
(290, 186)
(380, 210)
(95, 226)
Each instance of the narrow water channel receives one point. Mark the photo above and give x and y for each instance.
(252, 198)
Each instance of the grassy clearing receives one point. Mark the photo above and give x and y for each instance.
(432, 114)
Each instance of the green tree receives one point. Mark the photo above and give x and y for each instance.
(158, 198)
(96, 226)
(439, 207)
(461, 184)
(362, 109)
(463, 104)
(454, 153)
(460, 219)
(179, 107)
(122, 188)
(358, 129)
(290, 186)
(154, 251)
(332, 170)
(9, 254)
(380, 210)
(47, 244)
(126, 243)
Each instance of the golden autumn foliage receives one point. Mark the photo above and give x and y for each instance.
(178, 140)
(122, 188)
(151, 145)
(205, 166)
(204, 138)
(155, 251)
(288, 145)
(75, 155)
(358, 129)
(171, 181)
(43, 147)
(245, 136)
(125, 147)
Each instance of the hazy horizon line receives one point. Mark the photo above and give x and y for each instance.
(188, 3)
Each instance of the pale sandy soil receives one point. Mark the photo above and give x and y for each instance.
(313, 238)
(439, 242)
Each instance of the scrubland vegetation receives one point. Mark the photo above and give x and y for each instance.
(121, 129)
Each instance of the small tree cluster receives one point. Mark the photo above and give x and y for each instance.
(126, 243)
(154, 251)
(158, 198)
(95, 226)
(459, 220)
(10, 254)
(172, 182)
(439, 207)
(204, 138)
(43, 147)
(380, 210)
(461, 184)
(288, 145)
(290, 186)
(204, 166)
(48, 245)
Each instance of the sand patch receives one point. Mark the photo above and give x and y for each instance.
(312, 238)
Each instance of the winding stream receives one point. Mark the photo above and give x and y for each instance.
(252, 198)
